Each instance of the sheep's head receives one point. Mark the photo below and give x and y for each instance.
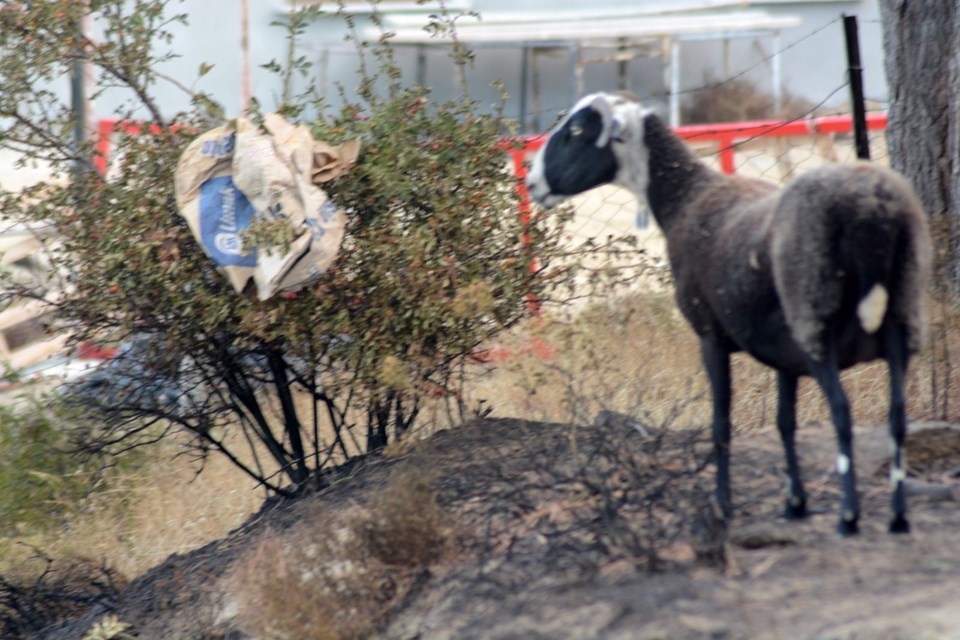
(589, 148)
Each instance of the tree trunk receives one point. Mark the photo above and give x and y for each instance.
(921, 41)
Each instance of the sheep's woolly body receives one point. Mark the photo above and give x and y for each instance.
(842, 248)
(850, 232)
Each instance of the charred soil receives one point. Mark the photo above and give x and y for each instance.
(560, 531)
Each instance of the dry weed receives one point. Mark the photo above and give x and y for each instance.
(405, 525)
(636, 355)
(740, 100)
(148, 513)
(290, 590)
(339, 574)
(42, 591)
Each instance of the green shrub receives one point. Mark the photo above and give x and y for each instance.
(41, 481)
(436, 261)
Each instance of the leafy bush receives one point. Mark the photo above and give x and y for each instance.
(738, 100)
(40, 480)
(435, 263)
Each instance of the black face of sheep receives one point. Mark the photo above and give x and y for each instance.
(814, 278)
(577, 157)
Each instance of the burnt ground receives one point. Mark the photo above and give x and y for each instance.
(608, 533)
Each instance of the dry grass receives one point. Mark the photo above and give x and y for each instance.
(43, 591)
(634, 355)
(337, 575)
(159, 509)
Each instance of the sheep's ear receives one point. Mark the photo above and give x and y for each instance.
(611, 125)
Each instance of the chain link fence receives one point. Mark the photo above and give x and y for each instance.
(772, 150)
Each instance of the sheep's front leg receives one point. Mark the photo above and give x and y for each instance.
(787, 425)
(716, 361)
(827, 375)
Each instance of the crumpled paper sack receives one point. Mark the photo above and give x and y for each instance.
(236, 173)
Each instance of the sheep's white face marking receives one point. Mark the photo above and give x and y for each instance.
(596, 144)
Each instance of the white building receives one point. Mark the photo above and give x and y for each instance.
(544, 52)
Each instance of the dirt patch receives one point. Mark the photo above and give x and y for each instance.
(934, 454)
(582, 532)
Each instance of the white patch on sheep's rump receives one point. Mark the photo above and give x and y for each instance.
(872, 308)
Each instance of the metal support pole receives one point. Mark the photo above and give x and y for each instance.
(674, 83)
(855, 71)
(325, 71)
(421, 66)
(245, 83)
(622, 75)
(78, 102)
(777, 77)
(524, 81)
(576, 72)
(535, 88)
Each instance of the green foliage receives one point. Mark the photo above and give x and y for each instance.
(434, 218)
(41, 482)
(436, 259)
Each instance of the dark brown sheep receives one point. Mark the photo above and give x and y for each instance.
(814, 278)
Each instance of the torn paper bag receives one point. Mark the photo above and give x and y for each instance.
(238, 173)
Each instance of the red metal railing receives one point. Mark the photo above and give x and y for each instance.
(106, 128)
(727, 136)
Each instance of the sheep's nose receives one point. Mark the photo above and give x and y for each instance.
(540, 193)
(537, 187)
(535, 192)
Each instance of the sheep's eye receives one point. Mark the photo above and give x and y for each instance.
(576, 130)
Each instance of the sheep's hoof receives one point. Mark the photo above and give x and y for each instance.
(796, 509)
(848, 527)
(899, 524)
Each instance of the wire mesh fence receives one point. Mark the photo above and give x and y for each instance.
(772, 150)
(771, 147)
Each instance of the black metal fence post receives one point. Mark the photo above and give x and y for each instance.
(855, 72)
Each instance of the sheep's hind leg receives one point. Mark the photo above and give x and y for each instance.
(827, 375)
(897, 359)
(787, 425)
(716, 361)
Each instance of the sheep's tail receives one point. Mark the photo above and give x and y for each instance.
(874, 245)
(872, 308)
(873, 248)
(889, 247)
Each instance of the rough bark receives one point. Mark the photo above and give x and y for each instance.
(921, 41)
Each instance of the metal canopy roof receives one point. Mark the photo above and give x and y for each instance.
(591, 26)
(629, 32)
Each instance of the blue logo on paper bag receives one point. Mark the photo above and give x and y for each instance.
(224, 213)
(219, 147)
